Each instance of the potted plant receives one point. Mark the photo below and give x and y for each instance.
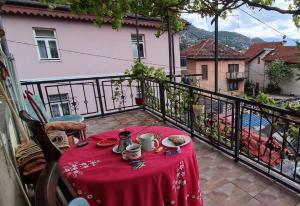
(141, 72)
(139, 100)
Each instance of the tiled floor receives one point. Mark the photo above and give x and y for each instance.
(224, 182)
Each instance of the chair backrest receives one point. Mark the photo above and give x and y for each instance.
(53, 188)
(50, 151)
(35, 107)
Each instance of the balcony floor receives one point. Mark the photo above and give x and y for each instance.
(224, 182)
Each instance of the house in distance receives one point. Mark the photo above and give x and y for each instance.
(200, 60)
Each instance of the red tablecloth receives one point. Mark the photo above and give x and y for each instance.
(103, 178)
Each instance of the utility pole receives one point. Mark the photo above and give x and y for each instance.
(137, 37)
(171, 52)
(216, 53)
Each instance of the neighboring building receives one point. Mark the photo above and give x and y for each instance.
(255, 63)
(57, 44)
(200, 60)
(259, 55)
(71, 45)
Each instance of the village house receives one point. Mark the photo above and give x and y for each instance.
(200, 60)
(259, 55)
(56, 44)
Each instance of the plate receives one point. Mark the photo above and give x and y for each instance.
(107, 142)
(167, 143)
(115, 149)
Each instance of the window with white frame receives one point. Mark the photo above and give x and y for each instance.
(46, 42)
(138, 46)
(59, 104)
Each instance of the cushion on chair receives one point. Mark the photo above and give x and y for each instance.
(59, 139)
(72, 117)
(64, 126)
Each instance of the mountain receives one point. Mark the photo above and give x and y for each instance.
(192, 35)
(290, 42)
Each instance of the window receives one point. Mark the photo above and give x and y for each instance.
(59, 104)
(258, 60)
(204, 71)
(233, 68)
(136, 47)
(45, 40)
(183, 62)
(233, 85)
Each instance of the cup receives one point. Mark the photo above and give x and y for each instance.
(148, 141)
(132, 152)
(125, 140)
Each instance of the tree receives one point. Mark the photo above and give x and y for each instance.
(167, 9)
(277, 72)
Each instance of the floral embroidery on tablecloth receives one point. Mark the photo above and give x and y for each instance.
(180, 180)
(88, 196)
(75, 168)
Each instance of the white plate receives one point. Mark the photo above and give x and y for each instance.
(166, 142)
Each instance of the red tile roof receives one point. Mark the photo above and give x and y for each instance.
(258, 48)
(289, 54)
(206, 50)
(44, 12)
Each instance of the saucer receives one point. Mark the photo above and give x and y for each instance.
(115, 150)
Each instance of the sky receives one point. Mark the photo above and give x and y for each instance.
(240, 22)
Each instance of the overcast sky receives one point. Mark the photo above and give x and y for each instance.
(242, 23)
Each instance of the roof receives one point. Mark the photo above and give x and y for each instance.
(257, 48)
(289, 54)
(205, 49)
(32, 8)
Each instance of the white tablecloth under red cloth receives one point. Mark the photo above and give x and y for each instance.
(103, 178)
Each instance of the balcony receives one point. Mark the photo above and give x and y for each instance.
(235, 75)
(225, 129)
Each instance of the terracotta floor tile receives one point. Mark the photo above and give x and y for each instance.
(228, 195)
(252, 183)
(277, 195)
(253, 202)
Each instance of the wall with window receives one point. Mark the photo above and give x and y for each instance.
(207, 69)
(256, 70)
(107, 51)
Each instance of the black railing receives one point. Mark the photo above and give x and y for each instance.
(97, 96)
(265, 138)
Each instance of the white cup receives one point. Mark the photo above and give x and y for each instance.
(148, 141)
(132, 152)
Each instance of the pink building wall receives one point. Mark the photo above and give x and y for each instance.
(82, 37)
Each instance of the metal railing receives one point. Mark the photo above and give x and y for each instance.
(263, 137)
(235, 75)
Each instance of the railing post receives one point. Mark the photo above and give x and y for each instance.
(191, 100)
(237, 129)
(162, 100)
(99, 97)
(40, 93)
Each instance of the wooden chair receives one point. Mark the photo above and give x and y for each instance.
(50, 151)
(53, 188)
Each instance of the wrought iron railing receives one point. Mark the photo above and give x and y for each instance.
(263, 137)
(235, 75)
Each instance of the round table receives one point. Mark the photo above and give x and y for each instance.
(103, 178)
